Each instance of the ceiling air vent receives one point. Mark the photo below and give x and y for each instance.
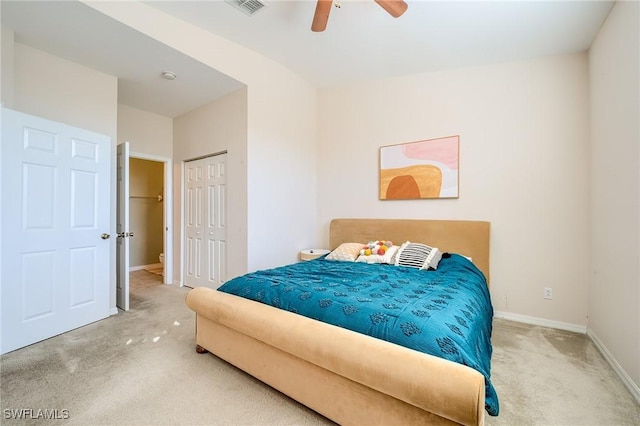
(247, 6)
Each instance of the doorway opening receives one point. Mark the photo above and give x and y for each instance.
(144, 219)
(150, 215)
(146, 215)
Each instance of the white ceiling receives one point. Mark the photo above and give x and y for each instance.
(361, 41)
(76, 32)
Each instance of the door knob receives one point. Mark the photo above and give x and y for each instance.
(130, 234)
(105, 236)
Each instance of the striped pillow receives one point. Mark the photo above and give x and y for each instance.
(420, 256)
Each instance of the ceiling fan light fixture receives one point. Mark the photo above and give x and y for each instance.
(394, 8)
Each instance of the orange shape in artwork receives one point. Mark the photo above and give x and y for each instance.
(402, 188)
(410, 183)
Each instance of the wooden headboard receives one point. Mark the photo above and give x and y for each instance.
(467, 237)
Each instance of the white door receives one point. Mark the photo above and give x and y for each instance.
(194, 229)
(205, 221)
(122, 227)
(216, 221)
(55, 224)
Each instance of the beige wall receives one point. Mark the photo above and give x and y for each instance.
(146, 211)
(280, 151)
(53, 88)
(524, 166)
(614, 302)
(282, 170)
(146, 132)
(213, 128)
(150, 137)
(6, 68)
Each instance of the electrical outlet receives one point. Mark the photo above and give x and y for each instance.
(548, 293)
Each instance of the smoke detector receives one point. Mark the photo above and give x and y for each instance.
(168, 75)
(248, 7)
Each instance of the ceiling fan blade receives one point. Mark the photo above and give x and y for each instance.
(395, 8)
(320, 18)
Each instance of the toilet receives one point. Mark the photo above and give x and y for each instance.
(161, 258)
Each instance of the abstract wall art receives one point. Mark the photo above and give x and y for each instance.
(418, 170)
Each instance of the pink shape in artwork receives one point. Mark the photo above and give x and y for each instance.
(444, 151)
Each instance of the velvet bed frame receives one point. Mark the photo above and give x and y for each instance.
(348, 377)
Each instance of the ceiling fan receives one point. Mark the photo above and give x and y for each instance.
(394, 7)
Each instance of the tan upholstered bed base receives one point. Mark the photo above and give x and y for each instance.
(348, 377)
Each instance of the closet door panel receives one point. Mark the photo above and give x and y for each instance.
(194, 230)
(205, 221)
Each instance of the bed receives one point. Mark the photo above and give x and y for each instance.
(345, 375)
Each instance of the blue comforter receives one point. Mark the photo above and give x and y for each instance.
(445, 312)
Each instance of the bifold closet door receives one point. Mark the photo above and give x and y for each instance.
(205, 221)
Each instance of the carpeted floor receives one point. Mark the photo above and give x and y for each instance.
(140, 368)
(552, 377)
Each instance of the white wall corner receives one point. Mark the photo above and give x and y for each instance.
(626, 379)
(559, 325)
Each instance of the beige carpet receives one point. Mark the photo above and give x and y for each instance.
(551, 377)
(140, 368)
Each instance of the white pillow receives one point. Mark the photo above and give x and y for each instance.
(345, 252)
(416, 255)
(388, 257)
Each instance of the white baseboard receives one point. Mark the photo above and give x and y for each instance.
(626, 379)
(140, 267)
(541, 322)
